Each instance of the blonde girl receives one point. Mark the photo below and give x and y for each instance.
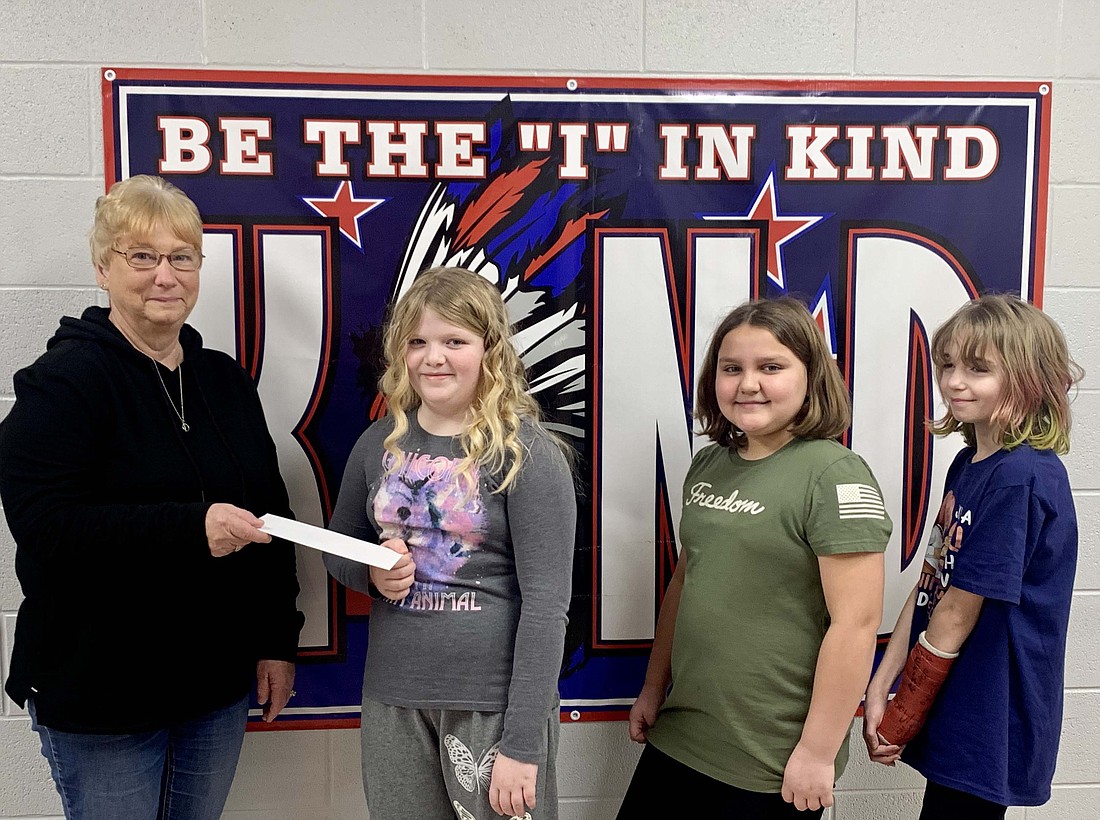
(980, 644)
(466, 634)
(767, 630)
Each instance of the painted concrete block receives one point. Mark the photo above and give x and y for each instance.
(10, 594)
(998, 38)
(28, 317)
(526, 35)
(1068, 803)
(281, 771)
(26, 787)
(341, 33)
(1075, 310)
(590, 809)
(1088, 546)
(890, 805)
(1075, 139)
(1074, 237)
(752, 37)
(7, 638)
(1078, 751)
(345, 766)
(130, 30)
(1083, 461)
(595, 759)
(44, 226)
(45, 120)
(1080, 34)
(1083, 642)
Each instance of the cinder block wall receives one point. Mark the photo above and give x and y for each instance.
(51, 171)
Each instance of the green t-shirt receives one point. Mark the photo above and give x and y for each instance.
(752, 612)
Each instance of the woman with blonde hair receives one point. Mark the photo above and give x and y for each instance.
(460, 707)
(132, 468)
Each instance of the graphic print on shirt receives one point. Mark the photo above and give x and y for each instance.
(944, 542)
(440, 516)
(702, 495)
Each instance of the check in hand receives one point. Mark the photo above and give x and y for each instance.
(229, 528)
(395, 583)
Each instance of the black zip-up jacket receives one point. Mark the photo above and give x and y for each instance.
(129, 623)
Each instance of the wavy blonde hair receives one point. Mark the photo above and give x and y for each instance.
(1037, 371)
(491, 438)
(135, 208)
(827, 411)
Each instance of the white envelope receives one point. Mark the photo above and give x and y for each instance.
(333, 543)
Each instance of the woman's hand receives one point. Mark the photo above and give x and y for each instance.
(874, 707)
(395, 583)
(274, 686)
(512, 786)
(229, 528)
(643, 714)
(808, 780)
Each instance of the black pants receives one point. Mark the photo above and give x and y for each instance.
(663, 787)
(943, 803)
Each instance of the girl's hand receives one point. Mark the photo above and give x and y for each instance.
(874, 707)
(512, 786)
(808, 780)
(643, 714)
(395, 583)
(229, 528)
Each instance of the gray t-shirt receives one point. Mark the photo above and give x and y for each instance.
(483, 626)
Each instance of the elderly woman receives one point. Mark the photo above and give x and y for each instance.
(132, 467)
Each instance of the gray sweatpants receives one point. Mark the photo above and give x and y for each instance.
(435, 763)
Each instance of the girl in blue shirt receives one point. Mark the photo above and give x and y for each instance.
(980, 643)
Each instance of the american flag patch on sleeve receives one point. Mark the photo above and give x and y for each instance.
(859, 501)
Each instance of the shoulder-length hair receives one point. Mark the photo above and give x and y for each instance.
(1036, 370)
(462, 298)
(135, 208)
(827, 411)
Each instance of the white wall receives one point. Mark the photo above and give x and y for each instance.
(51, 170)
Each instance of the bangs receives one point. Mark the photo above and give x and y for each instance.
(141, 223)
(975, 342)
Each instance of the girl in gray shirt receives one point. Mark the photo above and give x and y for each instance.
(466, 635)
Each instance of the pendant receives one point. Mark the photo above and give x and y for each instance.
(185, 427)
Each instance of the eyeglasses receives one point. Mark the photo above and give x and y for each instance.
(147, 259)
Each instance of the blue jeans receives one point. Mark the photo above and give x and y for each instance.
(180, 773)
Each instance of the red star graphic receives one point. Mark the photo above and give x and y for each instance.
(345, 207)
(781, 229)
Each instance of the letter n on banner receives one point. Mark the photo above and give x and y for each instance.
(651, 326)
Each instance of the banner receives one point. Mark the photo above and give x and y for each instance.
(621, 219)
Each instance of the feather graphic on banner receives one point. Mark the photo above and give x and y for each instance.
(524, 230)
(495, 204)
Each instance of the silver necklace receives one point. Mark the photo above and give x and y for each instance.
(179, 413)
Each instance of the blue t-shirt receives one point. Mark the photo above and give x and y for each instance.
(1007, 531)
